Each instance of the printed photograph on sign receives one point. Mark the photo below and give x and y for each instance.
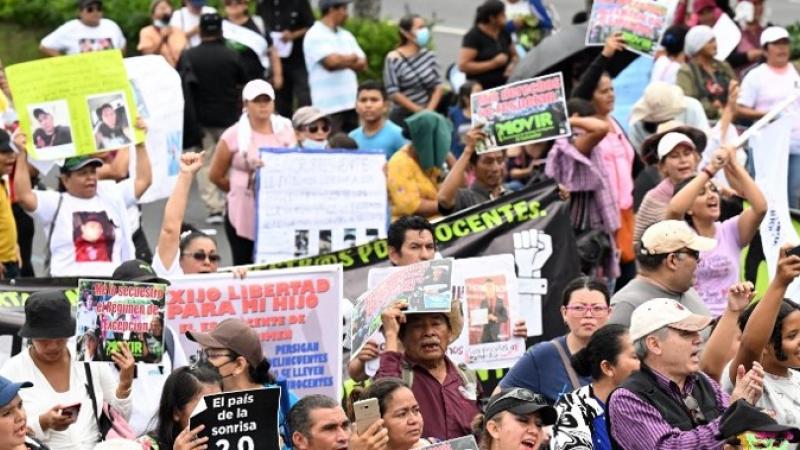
(349, 238)
(462, 443)
(641, 22)
(50, 123)
(324, 241)
(487, 301)
(300, 242)
(111, 123)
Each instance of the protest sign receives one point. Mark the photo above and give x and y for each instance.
(111, 312)
(295, 313)
(521, 113)
(462, 443)
(641, 22)
(159, 101)
(311, 202)
(239, 35)
(240, 420)
(74, 105)
(727, 35)
(424, 286)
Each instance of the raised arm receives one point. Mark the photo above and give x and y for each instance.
(144, 173)
(744, 185)
(455, 179)
(682, 201)
(588, 81)
(169, 239)
(596, 130)
(718, 349)
(23, 192)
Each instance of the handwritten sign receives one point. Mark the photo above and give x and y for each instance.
(239, 420)
(313, 202)
(641, 22)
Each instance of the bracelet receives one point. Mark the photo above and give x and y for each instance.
(708, 172)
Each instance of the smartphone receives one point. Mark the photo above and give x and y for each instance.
(794, 251)
(367, 412)
(71, 411)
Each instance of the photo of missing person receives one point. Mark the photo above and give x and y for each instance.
(93, 236)
(300, 242)
(110, 121)
(50, 124)
(372, 234)
(95, 45)
(349, 237)
(324, 241)
(487, 300)
(436, 285)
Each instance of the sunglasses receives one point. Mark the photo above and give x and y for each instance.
(314, 128)
(687, 251)
(235, 2)
(201, 256)
(698, 418)
(522, 394)
(94, 8)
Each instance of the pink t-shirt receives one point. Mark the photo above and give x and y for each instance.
(241, 197)
(617, 153)
(719, 268)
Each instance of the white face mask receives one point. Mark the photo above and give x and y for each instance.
(311, 143)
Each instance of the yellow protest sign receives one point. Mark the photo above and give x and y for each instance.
(3, 102)
(74, 105)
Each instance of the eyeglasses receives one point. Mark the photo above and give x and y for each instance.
(596, 310)
(201, 256)
(313, 128)
(522, 394)
(210, 353)
(694, 410)
(687, 251)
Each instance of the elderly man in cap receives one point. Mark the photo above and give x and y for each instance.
(90, 32)
(667, 255)
(416, 351)
(669, 403)
(332, 59)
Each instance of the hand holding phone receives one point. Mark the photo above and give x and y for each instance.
(71, 410)
(367, 412)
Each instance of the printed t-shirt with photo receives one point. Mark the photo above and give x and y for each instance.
(185, 20)
(90, 236)
(74, 37)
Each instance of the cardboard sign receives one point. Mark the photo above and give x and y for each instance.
(462, 443)
(112, 312)
(521, 113)
(641, 22)
(239, 420)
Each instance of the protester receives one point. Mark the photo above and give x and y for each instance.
(9, 250)
(666, 66)
(62, 380)
(746, 427)
(219, 77)
(770, 329)
(677, 150)
(512, 420)
(577, 166)
(609, 358)
(704, 13)
(487, 54)
(460, 115)
(545, 367)
(161, 38)
(375, 132)
(187, 19)
(290, 19)
(615, 148)
(184, 388)
(86, 222)
(669, 403)
(237, 13)
(752, 21)
(410, 71)
(697, 200)
(90, 32)
(312, 127)
(766, 86)
(412, 173)
(400, 412)
(332, 59)
(667, 256)
(410, 240)
(703, 77)
(237, 159)
(13, 418)
(234, 350)
(319, 423)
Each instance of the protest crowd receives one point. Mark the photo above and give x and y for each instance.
(488, 257)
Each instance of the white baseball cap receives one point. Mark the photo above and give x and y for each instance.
(773, 34)
(255, 88)
(669, 236)
(658, 313)
(669, 141)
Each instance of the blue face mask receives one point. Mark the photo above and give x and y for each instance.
(311, 143)
(423, 36)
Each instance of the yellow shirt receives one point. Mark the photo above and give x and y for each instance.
(8, 227)
(408, 184)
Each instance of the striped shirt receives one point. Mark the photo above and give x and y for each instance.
(332, 91)
(637, 425)
(414, 76)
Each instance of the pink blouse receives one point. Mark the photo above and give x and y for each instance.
(617, 153)
(241, 196)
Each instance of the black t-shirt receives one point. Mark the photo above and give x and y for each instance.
(219, 79)
(281, 15)
(487, 48)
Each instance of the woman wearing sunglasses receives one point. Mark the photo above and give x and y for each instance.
(513, 420)
(312, 127)
(608, 358)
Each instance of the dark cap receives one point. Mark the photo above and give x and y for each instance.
(79, 162)
(741, 417)
(38, 112)
(9, 389)
(235, 335)
(137, 270)
(331, 3)
(48, 316)
(211, 23)
(5, 141)
(83, 4)
(520, 401)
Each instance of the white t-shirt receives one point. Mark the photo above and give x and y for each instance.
(332, 91)
(74, 37)
(666, 70)
(174, 270)
(764, 87)
(90, 236)
(185, 20)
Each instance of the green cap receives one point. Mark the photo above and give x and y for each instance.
(79, 162)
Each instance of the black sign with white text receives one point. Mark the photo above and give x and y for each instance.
(239, 420)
